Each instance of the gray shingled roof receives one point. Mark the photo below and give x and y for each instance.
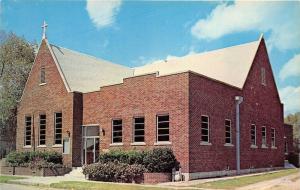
(85, 73)
(230, 65)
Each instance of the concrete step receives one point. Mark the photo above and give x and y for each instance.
(288, 165)
(76, 173)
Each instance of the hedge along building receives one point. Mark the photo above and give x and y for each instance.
(81, 106)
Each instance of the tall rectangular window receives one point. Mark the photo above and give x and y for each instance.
(117, 131)
(58, 128)
(43, 75)
(139, 129)
(263, 76)
(42, 130)
(264, 136)
(204, 128)
(273, 137)
(27, 135)
(228, 139)
(253, 135)
(162, 128)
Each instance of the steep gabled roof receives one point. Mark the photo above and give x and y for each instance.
(230, 65)
(85, 73)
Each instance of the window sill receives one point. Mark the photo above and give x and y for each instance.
(162, 143)
(27, 146)
(42, 146)
(228, 144)
(273, 147)
(116, 144)
(42, 84)
(138, 144)
(205, 143)
(253, 146)
(264, 146)
(57, 146)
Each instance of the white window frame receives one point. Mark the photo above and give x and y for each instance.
(112, 131)
(208, 128)
(255, 135)
(230, 131)
(55, 133)
(39, 143)
(161, 115)
(263, 76)
(25, 131)
(134, 129)
(264, 137)
(273, 138)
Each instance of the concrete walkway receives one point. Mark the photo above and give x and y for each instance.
(200, 181)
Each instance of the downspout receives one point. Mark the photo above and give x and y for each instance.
(238, 101)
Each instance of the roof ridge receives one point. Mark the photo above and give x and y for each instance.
(91, 56)
(220, 49)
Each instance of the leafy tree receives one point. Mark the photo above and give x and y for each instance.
(294, 119)
(16, 58)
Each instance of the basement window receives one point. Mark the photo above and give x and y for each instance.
(139, 129)
(263, 76)
(253, 135)
(264, 136)
(117, 131)
(27, 135)
(273, 137)
(42, 130)
(43, 75)
(162, 128)
(58, 128)
(204, 129)
(228, 138)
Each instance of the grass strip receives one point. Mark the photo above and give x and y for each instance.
(247, 180)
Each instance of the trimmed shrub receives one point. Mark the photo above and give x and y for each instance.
(114, 172)
(128, 157)
(155, 160)
(160, 160)
(34, 159)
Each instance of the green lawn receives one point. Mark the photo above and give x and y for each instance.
(247, 180)
(5, 179)
(102, 186)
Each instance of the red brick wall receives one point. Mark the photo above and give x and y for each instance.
(288, 133)
(47, 99)
(153, 178)
(261, 106)
(216, 100)
(142, 96)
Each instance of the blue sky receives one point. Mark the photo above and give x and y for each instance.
(134, 33)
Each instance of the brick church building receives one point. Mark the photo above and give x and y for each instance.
(81, 106)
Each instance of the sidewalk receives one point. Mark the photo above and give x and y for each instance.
(34, 180)
(200, 181)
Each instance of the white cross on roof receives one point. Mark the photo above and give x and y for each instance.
(44, 26)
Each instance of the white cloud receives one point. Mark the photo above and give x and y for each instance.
(290, 96)
(103, 12)
(279, 18)
(291, 68)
